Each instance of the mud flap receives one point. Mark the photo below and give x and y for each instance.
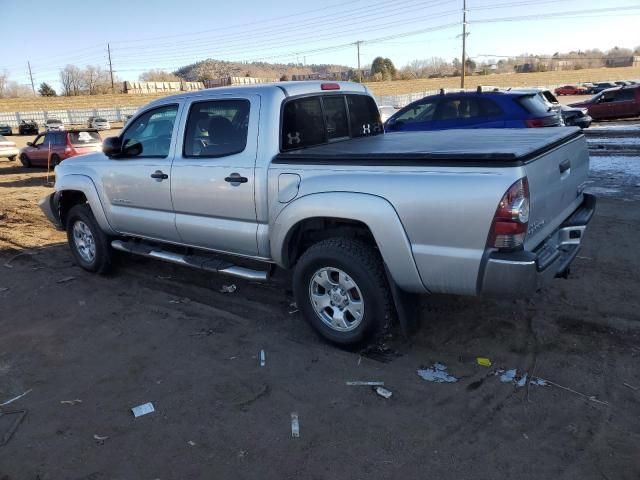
(406, 306)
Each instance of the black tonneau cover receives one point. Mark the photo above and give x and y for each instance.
(486, 147)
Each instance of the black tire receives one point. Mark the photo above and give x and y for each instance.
(55, 160)
(25, 160)
(102, 258)
(363, 265)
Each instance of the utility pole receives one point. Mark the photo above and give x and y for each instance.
(110, 68)
(464, 41)
(359, 71)
(33, 87)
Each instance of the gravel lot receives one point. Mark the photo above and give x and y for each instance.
(89, 348)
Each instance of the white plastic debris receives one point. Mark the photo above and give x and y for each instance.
(383, 392)
(437, 373)
(71, 402)
(295, 425)
(359, 383)
(262, 358)
(11, 400)
(191, 443)
(99, 438)
(143, 409)
(228, 288)
(4, 289)
(519, 380)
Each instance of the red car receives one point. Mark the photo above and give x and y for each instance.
(612, 103)
(60, 145)
(570, 90)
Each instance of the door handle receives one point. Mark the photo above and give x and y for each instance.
(564, 166)
(236, 178)
(159, 175)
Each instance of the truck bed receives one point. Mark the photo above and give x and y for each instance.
(486, 147)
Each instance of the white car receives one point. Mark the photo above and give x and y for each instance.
(386, 111)
(53, 125)
(8, 148)
(100, 123)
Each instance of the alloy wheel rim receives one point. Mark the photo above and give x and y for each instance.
(336, 299)
(84, 241)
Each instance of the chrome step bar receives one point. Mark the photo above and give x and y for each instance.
(194, 261)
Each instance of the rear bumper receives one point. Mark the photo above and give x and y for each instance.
(521, 273)
(49, 206)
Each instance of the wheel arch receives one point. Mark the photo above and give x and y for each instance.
(368, 217)
(74, 189)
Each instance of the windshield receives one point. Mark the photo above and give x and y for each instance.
(102, 120)
(78, 139)
(52, 122)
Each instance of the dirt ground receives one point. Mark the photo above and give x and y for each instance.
(89, 348)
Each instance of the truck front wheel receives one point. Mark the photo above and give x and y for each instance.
(89, 244)
(341, 288)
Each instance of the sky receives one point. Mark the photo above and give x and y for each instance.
(167, 34)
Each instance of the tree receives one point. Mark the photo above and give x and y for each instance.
(470, 66)
(46, 91)
(71, 80)
(284, 77)
(157, 75)
(384, 67)
(4, 79)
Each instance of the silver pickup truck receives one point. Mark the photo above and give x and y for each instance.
(300, 175)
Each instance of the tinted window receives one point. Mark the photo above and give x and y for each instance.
(149, 135)
(39, 140)
(490, 108)
(217, 128)
(422, 111)
(101, 120)
(79, 139)
(364, 116)
(533, 104)
(626, 95)
(454, 108)
(302, 124)
(335, 116)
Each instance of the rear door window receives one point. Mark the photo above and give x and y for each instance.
(454, 108)
(625, 95)
(490, 108)
(217, 128)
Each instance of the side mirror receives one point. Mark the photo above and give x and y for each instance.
(112, 146)
(29, 144)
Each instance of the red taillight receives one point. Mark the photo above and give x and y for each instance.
(541, 122)
(330, 86)
(509, 227)
(69, 150)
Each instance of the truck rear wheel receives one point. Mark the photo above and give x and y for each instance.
(341, 288)
(89, 244)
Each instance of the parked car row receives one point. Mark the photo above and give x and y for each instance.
(31, 127)
(592, 88)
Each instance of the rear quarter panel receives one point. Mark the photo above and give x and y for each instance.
(446, 212)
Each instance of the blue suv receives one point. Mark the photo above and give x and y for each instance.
(478, 109)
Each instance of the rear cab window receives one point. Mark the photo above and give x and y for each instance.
(79, 139)
(318, 119)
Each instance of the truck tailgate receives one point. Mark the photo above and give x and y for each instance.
(555, 180)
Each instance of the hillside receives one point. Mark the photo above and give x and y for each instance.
(210, 69)
(396, 87)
